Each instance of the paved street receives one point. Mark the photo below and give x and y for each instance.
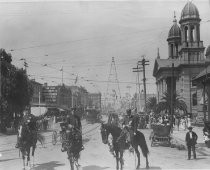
(96, 155)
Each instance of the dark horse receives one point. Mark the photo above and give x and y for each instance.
(119, 144)
(28, 139)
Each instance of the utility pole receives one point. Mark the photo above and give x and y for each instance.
(144, 62)
(25, 64)
(0, 77)
(138, 70)
(62, 74)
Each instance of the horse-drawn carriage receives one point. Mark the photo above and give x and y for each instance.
(92, 115)
(160, 134)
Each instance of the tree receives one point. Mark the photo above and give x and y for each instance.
(151, 104)
(165, 104)
(16, 90)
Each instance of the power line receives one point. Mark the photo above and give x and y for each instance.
(83, 39)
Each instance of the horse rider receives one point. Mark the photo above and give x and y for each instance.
(29, 121)
(74, 122)
(130, 126)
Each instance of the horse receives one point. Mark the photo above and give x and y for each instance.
(28, 140)
(119, 144)
(71, 140)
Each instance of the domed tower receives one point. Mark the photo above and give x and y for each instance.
(174, 39)
(192, 48)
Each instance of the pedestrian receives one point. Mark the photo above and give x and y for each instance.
(184, 123)
(191, 141)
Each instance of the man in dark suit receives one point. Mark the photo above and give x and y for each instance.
(191, 140)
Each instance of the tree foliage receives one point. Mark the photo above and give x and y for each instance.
(165, 104)
(151, 104)
(15, 87)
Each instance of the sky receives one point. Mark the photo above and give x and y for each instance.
(83, 36)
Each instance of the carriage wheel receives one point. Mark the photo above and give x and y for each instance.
(54, 138)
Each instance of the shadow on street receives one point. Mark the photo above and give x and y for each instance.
(5, 160)
(153, 168)
(93, 167)
(48, 166)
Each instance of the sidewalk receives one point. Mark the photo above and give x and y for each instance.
(179, 137)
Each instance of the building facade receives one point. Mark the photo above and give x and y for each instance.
(185, 59)
(57, 96)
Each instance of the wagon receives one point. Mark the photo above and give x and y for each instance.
(161, 134)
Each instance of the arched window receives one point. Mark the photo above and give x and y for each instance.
(186, 33)
(192, 33)
(172, 51)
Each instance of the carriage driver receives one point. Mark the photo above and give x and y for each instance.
(29, 121)
(75, 123)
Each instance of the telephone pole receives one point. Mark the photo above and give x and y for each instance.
(144, 62)
(138, 70)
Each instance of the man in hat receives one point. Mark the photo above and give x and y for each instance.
(191, 141)
(28, 120)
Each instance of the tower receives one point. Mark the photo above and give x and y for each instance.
(113, 89)
(174, 39)
(192, 47)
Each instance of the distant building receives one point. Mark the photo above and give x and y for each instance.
(186, 52)
(37, 97)
(95, 100)
(57, 96)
